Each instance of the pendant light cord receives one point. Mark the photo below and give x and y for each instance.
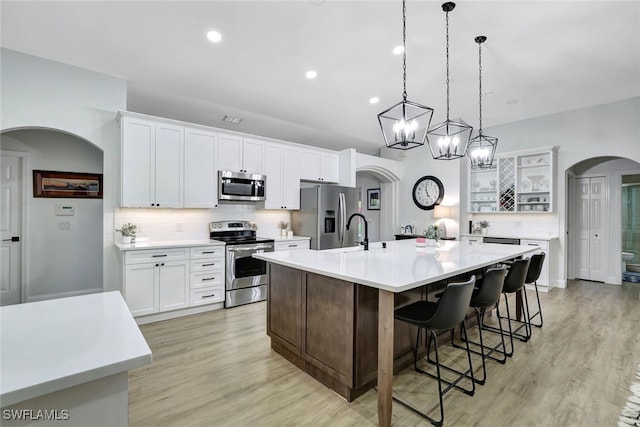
(447, 50)
(404, 49)
(480, 84)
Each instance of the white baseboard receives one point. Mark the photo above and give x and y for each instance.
(63, 294)
(157, 317)
(541, 288)
(559, 283)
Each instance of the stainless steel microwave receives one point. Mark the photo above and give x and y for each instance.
(241, 186)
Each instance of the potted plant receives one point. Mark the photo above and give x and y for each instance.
(283, 226)
(128, 232)
(483, 226)
(432, 234)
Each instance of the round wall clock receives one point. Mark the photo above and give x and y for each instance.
(428, 192)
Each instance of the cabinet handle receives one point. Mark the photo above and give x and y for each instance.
(533, 244)
(205, 279)
(157, 265)
(208, 252)
(153, 204)
(208, 296)
(158, 256)
(162, 264)
(293, 246)
(209, 265)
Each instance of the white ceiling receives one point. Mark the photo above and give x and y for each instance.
(539, 58)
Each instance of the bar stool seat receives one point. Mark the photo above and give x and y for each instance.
(445, 314)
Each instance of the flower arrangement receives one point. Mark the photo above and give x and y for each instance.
(432, 232)
(483, 224)
(283, 225)
(128, 229)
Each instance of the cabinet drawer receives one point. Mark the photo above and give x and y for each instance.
(207, 252)
(287, 246)
(542, 244)
(206, 295)
(156, 255)
(207, 264)
(206, 278)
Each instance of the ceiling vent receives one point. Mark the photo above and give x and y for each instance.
(231, 119)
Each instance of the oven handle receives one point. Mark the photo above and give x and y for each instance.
(250, 248)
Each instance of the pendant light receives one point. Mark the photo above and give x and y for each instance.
(448, 140)
(404, 125)
(482, 148)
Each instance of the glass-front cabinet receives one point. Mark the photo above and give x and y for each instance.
(521, 182)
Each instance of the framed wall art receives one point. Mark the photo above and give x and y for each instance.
(67, 184)
(373, 199)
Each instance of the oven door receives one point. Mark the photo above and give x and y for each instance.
(244, 271)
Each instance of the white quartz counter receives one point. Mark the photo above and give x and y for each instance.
(512, 236)
(48, 346)
(152, 244)
(398, 267)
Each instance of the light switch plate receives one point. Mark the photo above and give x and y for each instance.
(65, 210)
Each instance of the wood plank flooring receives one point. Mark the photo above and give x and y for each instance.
(217, 369)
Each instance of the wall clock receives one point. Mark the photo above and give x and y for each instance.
(428, 192)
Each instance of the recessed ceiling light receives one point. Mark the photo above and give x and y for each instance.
(374, 100)
(398, 50)
(311, 74)
(231, 119)
(214, 36)
(512, 101)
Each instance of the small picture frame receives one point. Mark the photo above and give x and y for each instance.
(71, 185)
(373, 199)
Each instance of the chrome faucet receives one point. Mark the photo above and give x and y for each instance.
(366, 229)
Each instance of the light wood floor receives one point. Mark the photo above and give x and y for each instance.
(217, 369)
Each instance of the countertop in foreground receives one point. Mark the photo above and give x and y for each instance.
(48, 346)
(398, 267)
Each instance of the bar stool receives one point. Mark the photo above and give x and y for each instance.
(514, 282)
(445, 314)
(533, 274)
(487, 295)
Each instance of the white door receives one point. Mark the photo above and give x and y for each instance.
(11, 223)
(592, 237)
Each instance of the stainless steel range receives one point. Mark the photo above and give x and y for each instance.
(246, 277)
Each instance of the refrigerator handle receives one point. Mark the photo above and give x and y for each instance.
(341, 218)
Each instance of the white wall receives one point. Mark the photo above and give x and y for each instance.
(60, 262)
(44, 94)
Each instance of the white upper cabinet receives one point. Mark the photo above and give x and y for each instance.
(151, 162)
(283, 177)
(200, 180)
(319, 166)
(239, 154)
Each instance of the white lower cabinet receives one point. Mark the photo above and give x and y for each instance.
(159, 280)
(543, 280)
(471, 239)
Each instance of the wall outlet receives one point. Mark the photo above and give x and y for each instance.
(179, 227)
(64, 226)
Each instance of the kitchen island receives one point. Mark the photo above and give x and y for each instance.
(323, 307)
(67, 360)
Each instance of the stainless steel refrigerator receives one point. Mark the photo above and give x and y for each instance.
(323, 214)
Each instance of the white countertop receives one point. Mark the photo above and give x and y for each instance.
(47, 346)
(400, 266)
(511, 236)
(160, 244)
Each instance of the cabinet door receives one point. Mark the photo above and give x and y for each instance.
(200, 179)
(173, 285)
(310, 165)
(253, 156)
(229, 155)
(169, 165)
(290, 178)
(274, 172)
(544, 247)
(330, 167)
(137, 163)
(141, 288)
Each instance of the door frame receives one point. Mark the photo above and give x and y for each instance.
(27, 193)
(616, 221)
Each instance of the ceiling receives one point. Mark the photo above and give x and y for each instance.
(541, 57)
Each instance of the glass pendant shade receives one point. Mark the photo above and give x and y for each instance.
(405, 125)
(448, 140)
(481, 151)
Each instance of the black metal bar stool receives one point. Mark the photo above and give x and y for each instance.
(445, 314)
(533, 274)
(487, 295)
(514, 282)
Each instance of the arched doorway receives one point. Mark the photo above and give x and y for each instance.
(593, 219)
(61, 255)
